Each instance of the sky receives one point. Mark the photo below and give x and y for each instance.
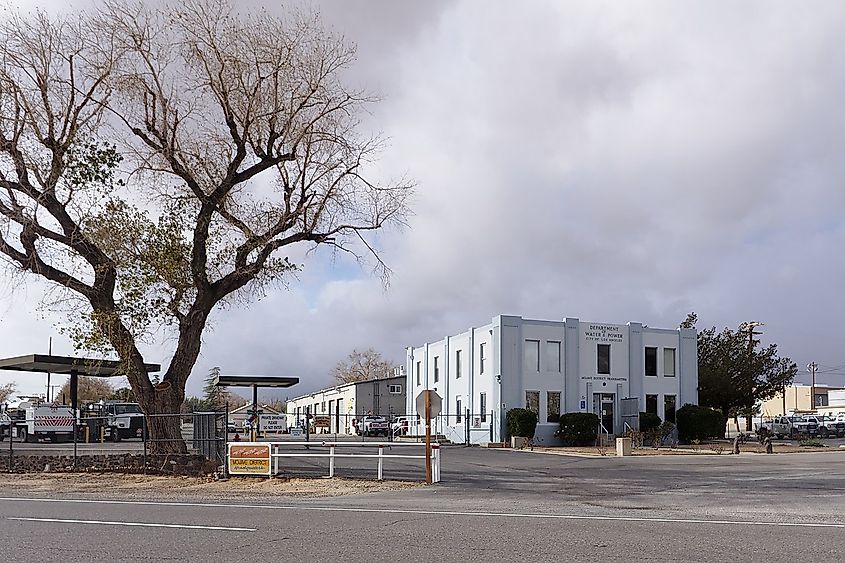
(609, 161)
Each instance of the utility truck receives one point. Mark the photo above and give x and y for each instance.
(31, 422)
(115, 420)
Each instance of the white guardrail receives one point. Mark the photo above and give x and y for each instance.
(275, 451)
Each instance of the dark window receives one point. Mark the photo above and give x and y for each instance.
(418, 373)
(651, 361)
(481, 357)
(458, 364)
(603, 355)
(436, 369)
(482, 404)
(553, 406)
(669, 408)
(532, 401)
(458, 406)
(651, 404)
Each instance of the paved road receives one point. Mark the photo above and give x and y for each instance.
(491, 506)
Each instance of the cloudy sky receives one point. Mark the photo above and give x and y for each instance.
(626, 161)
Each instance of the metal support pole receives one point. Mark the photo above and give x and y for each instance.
(491, 425)
(380, 462)
(144, 440)
(254, 428)
(331, 461)
(427, 436)
(74, 405)
(11, 439)
(226, 443)
(436, 468)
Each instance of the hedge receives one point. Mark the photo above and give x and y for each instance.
(578, 428)
(649, 421)
(521, 422)
(699, 423)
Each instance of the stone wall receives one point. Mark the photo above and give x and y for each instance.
(190, 464)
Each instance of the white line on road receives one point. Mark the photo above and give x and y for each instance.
(140, 524)
(436, 512)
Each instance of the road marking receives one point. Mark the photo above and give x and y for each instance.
(138, 524)
(436, 512)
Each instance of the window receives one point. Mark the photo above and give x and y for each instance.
(394, 389)
(651, 361)
(553, 356)
(436, 369)
(669, 362)
(458, 364)
(651, 404)
(482, 404)
(323, 407)
(669, 408)
(481, 357)
(532, 401)
(532, 355)
(458, 408)
(418, 373)
(603, 359)
(553, 406)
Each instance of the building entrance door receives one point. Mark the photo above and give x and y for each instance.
(603, 407)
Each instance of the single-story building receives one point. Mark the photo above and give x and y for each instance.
(335, 409)
(553, 367)
(796, 398)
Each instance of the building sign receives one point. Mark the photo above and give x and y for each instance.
(604, 333)
(249, 459)
(321, 421)
(273, 422)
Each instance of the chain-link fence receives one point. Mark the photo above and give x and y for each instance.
(53, 438)
(465, 428)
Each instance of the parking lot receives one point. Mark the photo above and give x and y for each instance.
(491, 505)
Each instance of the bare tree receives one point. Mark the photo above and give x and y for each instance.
(90, 389)
(242, 142)
(6, 391)
(362, 366)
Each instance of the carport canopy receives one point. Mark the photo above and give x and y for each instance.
(255, 381)
(39, 363)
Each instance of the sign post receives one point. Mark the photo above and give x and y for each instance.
(427, 437)
(430, 403)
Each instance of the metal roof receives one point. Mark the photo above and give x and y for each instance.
(259, 380)
(39, 363)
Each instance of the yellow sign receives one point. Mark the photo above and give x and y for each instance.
(249, 459)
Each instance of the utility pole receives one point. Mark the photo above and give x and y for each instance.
(812, 367)
(750, 326)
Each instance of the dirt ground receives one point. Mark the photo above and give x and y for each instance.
(150, 485)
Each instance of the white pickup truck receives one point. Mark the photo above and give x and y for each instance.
(373, 426)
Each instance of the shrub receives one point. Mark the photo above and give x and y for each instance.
(521, 422)
(699, 423)
(649, 421)
(578, 428)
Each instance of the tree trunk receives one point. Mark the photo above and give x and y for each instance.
(164, 428)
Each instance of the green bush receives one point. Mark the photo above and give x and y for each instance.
(649, 421)
(521, 422)
(699, 423)
(578, 428)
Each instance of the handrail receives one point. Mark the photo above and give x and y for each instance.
(277, 452)
(601, 429)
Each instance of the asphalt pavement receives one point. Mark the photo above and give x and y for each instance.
(491, 506)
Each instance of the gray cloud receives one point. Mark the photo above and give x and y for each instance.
(613, 162)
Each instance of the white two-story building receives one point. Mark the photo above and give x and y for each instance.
(554, 367)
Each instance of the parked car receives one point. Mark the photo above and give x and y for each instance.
(807, 424)
(373, 426)
(779, 426)
(403, 424)
(831, 426)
